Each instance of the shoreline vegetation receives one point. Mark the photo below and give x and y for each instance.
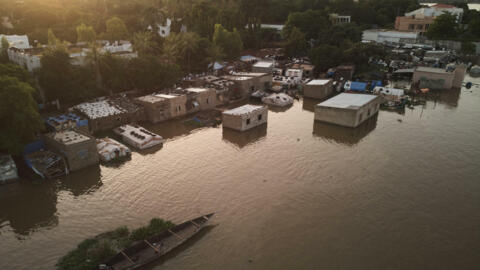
(93, 251)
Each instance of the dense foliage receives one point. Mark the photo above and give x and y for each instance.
(93, 251)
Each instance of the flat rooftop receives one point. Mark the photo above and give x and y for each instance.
(99, 109)
(263, 64)
(249, 74)
(197, 90)
(245, 109)
(151, 99)
(169, 96)
(347, 101)
(432, 70)
(69, 137)
(318, 82)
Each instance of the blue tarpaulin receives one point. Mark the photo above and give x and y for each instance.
(65, 117)
(358, 86)
(33, 147)
(247, 58)
(375, 83)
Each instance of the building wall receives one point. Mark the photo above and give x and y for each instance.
(156, 112)
(262, 69)
(318, 91)
(78, 155)
(207, 100)
(241, 123)
(113, 121)
(433, 80)
(178, 106)
(347, 117)
(413, 24)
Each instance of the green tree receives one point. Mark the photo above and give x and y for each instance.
(468, 48)
(326, 56)
(86, 33)
(3, 50)
(230, 42)
(56, 74)
(18, 114)
(444, 27)
(144, 43)
(116, 29)
(149, 72)
(181, 47)
(52, 39)
(296, 44)
(310, 22)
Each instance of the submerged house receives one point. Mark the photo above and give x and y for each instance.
(138, 137)
(78, 149)
(347, 109)
(8, 170)
(161, 107)
(245, 117)
(109, 113)
(66, 121)
(318, 89)
(44, 163)
(437, 78)
(109, 149)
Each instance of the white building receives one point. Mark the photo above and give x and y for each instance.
(245, 117)
(263, 67)
(435, 11)
(25, 58)
(337, 19)
(120, 49)
(348, 110)
(382, 36)
(16, 41)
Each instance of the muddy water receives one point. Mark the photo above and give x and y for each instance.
(400, 192)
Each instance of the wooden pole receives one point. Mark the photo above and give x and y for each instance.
(123, 253)
(178, 236)
(148, 243)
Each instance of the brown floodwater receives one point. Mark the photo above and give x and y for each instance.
(402, 191)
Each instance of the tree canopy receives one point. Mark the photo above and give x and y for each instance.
(18, 114)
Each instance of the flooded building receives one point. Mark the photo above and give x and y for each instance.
(8, 170)
(246, 83)
(138, 137)
(245, 117)
(161, 107)
(318, 89)
(109, 113)
(78, 149)
(307, 69)
(66, 122)
(263, 67)
(109, 149)
(202, 98)
(348, 110)
(437, 78)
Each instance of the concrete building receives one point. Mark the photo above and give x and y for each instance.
(202, 98)
(245, 117)
(122, 49)
(79, 149)
(318, 89)
(413, 24)
(109, 113)
(437, 78)
(385, 36)
(307, 69)
(16, 41)
(436, 10)
(246, 83)
(157, 109)
(337, 19)
(138, 137)
(177, 104)
(66, 122)
(263, 67)
(28, 58)
(348, 110)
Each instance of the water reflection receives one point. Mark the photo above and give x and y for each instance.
(82, 182)
(244, 138)
(344, 135)
(173, 128)
(27, 206)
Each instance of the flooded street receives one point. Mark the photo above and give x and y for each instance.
(402, 191)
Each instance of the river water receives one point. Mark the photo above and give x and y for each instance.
(400, 192)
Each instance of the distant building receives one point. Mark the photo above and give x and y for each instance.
(413, 24)
(246, 83)
(28, 58)
(245, 117)
(389, 36)
(338, 19)
(348, 110)
(16, 41)
(437, 78)
(120, 49)
(435, 11)
(277, 27)
(263, 67)
(109, 113)
(79, 149)
(318, 89)
(307, 69)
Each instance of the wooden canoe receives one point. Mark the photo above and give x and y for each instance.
(151, 249)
